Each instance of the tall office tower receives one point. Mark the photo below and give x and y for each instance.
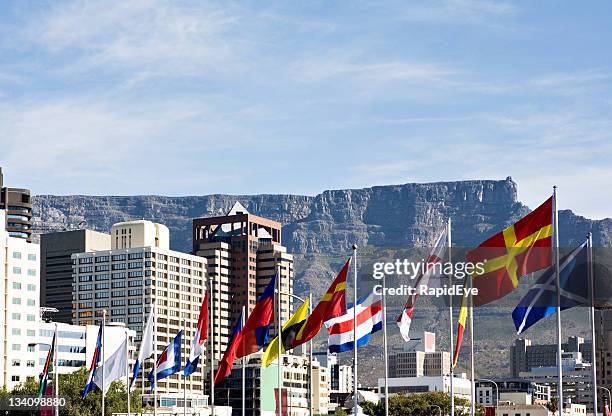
(19, 309)
(56, 250)
(18, 205)
(603, 345)
(243, 251)
(139, 270)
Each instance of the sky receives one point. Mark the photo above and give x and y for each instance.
(192, 98)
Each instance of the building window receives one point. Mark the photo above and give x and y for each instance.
(16, 285)
(16, 255)
(16, 270)
(16, 347)
(16, 316)
(32, 257)
(16, 331)
(31, 318)
(31, 302)
(31, 287)
(31, 333)
(31, 272)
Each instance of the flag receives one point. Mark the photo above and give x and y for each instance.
(463, 311)
(226, 363)
(146, 344)
(541, 299)
(288, 334)
(197, 345)
(169, 362)
(331, 306)
(113, 369)
(48, 368)
(253, 335)
(436, 255)
(369, 320)
(95, 361)
(522, 248)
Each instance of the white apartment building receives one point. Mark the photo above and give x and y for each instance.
(19, 307)
(137, 271)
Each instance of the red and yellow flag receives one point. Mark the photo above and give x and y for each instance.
(331, 306)
(522, 248)
(463, 311)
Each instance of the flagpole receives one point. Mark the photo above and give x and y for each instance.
(56, 371)
(310, 360)
(592, 318)
(103, 358)
(154, 359)
(143, 316)
(558, 284)
(386, 359)
(212, 347)
(450, 320)
(127, 368)
(243, 371)
(472, 381)
(184, 342)
(355, 383)
(280, 342)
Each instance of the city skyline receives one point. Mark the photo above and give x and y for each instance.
(446, 91)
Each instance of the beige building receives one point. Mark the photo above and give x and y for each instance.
(422, 360)
(510, 409)
(136, 272)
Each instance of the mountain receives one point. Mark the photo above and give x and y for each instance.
(320, 230)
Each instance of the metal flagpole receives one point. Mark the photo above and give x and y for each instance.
(472, 381)
(279, 334)
(154, 359)
(184, 375)
(103, 359)
(386, 359)
(143, 315)
(310, 360)
(127, 368)
(243, 368)
(355, 379)
(450, 320)
(56, 371)
(555, 254)
(212, 346)
(592, 318)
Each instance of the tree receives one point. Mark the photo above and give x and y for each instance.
(71, 387)
(553, 405)
(421, 404)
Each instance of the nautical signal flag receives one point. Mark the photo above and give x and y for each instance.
(288, 335)
(331, 306)
(197, 345)
(95, 361)
(253, 336)
(463, 311)
(522, 248)
(169, 362)
(541, 299)
(48, 368)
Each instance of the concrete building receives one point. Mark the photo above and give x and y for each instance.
(524, 355)
(243, 252)
(56, 250)
(510, 409)
(422, 360)
(17, 203)
(341, 376)
(19, 305)
(576, 379)
(509, 389)
(136, 272)
(423, 384)
(262, 387)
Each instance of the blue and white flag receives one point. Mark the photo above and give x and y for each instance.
(95, 361)
(146, 345)
(541, 299)
(169, 362)
(369, 320)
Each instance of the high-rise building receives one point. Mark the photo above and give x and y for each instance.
(243, 252)
(17, 203)
(340, 376)
(19, 307)
(140, 270)
(524, 356)
(56, 250)
(422, 360)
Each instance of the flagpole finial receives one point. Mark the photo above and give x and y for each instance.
(354, 247)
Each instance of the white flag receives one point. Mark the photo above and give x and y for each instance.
(114, 368)
(146, 345)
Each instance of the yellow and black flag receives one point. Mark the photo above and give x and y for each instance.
(288, 334)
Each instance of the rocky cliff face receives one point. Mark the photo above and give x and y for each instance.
(329, 223)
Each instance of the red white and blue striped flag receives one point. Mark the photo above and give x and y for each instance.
(369, 320)
(95, 362)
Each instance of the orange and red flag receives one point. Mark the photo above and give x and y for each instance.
(522, 248)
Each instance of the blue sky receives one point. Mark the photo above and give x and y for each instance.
(183, 98)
